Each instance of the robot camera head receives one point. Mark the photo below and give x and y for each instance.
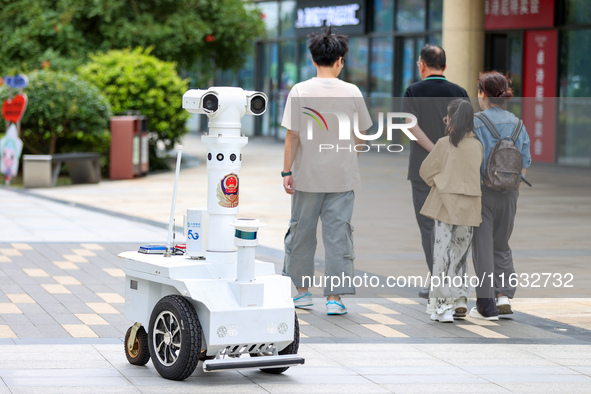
(199, 101)
(219, 102)
(256, 103)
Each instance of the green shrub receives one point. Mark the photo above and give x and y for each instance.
(135, 80)
(64, 114)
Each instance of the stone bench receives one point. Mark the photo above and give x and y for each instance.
(43, 170)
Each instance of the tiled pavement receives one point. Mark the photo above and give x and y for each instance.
(61, 329)
(75, 290)
(61, 319)
(61, 290)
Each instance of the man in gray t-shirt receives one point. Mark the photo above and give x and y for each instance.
(320, 171)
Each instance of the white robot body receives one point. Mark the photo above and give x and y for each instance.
(240, 305)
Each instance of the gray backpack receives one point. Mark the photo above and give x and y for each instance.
(504, 165)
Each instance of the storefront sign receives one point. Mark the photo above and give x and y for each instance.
(539, 81)
(346, 17)
(518, 14)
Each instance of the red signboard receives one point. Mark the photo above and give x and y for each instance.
(518, 14)
(539, 92)
(13, 109)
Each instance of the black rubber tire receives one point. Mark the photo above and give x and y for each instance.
(140, 354)
(292, 348)
(188, 336)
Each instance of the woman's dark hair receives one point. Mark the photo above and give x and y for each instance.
(496, 86)
(433, 56)
(326, 48)
(460, 115)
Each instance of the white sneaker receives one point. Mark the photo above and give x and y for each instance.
(445, 317)
(334, 307)
(303, 300)
(475, 314)
(504, 305)
(460, 307)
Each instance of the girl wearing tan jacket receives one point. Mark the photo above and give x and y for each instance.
(452, 169)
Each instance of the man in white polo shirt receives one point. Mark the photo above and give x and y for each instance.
(320, 171)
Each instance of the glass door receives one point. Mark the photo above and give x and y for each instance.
(408, 50)
(504, 53)
(268, 83)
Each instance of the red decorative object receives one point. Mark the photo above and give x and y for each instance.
(209, 38)
(13, 110)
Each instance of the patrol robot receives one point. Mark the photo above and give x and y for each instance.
(215, 303)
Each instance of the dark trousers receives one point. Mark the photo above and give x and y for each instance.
(490, 246)
(420, 191)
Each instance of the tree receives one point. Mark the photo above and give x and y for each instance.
(196, 34)
(135, 80)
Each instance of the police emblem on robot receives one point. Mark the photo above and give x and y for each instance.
(228, 191)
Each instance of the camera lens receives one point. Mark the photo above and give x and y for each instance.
(257, 105)
(210, 102)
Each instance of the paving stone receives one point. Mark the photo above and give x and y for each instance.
(36, 257)
(428, 331)
(118, 286)
(108, 331)
(515, 329)
(47, 252)
(18, 276)
(30, 308)
(454, 331)
(16, 319)
(66, 318)
(41, 318)
(118, 320)
(26, 330)
(95, 272)
(101, 262)
(73, 304)
(84, 294)
(356, 318)
(314, 332)
(48, 280)
(84, 277)
(54, 308)
(63, 247)
(99, 288)
(360, 331)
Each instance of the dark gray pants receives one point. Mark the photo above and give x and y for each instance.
(420, 191)
(490, 246)
(335, 211)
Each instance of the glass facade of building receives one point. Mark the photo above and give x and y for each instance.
(573, 144)
(392, 27)
(382, 60)
(506, 52)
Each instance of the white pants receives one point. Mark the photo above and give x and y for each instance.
(449, 280)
